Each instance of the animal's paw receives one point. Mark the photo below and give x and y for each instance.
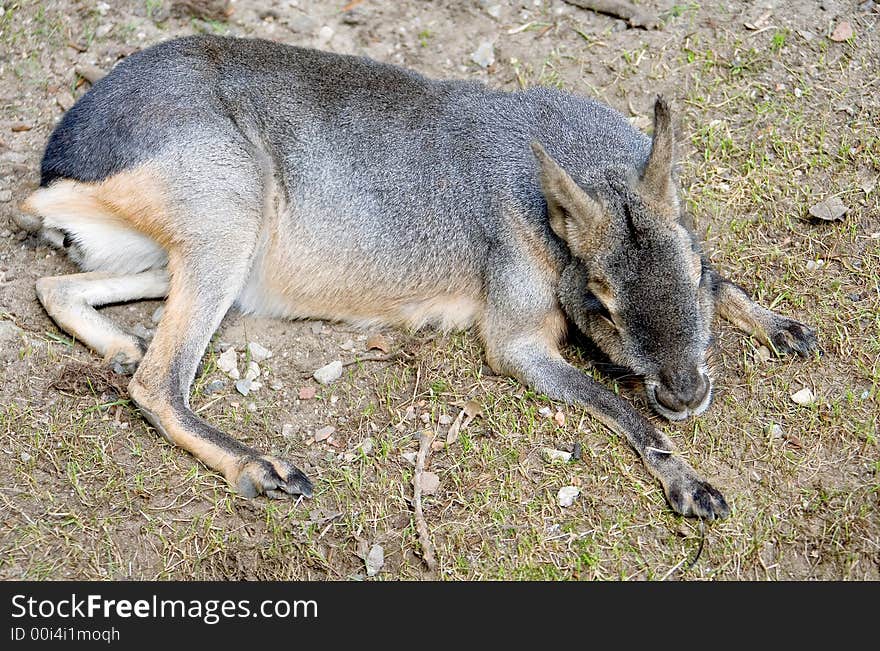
(125, 359)
(690, 496)
(266, 475)
(790, 336)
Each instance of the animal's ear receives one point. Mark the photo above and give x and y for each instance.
(574, 215)
(657, 185)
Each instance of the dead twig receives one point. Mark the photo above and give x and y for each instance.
(425, 441)
(390, 357)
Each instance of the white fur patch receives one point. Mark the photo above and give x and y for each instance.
(98, 242)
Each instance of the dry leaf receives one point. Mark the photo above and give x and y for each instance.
(760, 22)
(867, 182)
(89, 72)
(793, 440)
(842, 32)
(832, 209)
(378, 342)
(559, 418)
(472, 409)
(452, 434)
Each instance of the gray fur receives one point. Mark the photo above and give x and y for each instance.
(402, 199)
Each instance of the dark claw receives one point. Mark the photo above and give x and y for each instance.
(273, 477)
(121, 366)
(696, 499)
(794, 337)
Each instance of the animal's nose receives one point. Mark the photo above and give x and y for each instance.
(682, 389)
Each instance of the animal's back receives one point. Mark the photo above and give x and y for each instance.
(381, 173)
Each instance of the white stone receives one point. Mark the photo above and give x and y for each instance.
(253, 371)
(804, 397)
(484, 55)
(555, 457)
(329, 372)
(567, 495)
(375, 560)
(228, 363)
(258, 353)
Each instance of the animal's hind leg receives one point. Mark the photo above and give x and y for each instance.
(202, 290)
(209, 265)
(781, 334)
(71, 301)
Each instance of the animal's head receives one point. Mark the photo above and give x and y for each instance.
(636, 283)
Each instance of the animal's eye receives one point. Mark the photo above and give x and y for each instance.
(594, 306)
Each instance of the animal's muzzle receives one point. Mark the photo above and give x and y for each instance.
(682, 390)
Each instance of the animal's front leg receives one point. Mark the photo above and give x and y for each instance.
(779, 333)
(544, 371)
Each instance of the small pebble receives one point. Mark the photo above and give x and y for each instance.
(324, 433)
(375, 560)
(410, 457)
(275, 385)
(804, 397)
(567, 495)
(307, 393)
(25, 457)
(367, 445)
(5, 195)
(484, 55)
(776, 431)
(258, 353)
(253, 371)
(430, 483)
(243, 386)
(158, 314)
(215, 386)
(329, 372)
(288, 431)
(325, 34)
(555, 457)
(546, 412)
(228, 363)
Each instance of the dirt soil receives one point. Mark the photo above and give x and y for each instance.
(777, 108)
